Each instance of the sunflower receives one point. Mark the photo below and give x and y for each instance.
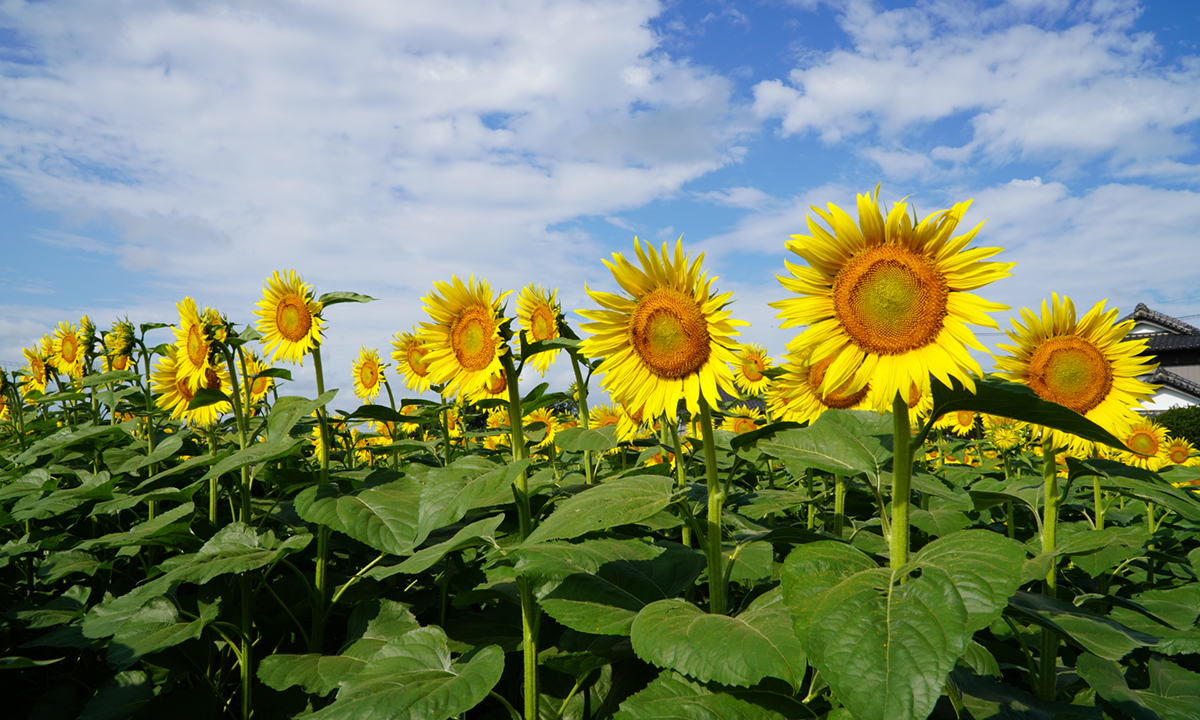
(1086, 366)
(495, 387)
(629, 424)
(410, 411)
(35, 370)
(547, 418)
(960, 423)
(368, 374)
(119, 339)
(409, 352)
(1005, 434)
(87, 336)
(497, 419)
(259, 386)
(887, 299)
(1179, 452)
(463, 340)
(1147, 444)
(69, 350)
(454, 421)
(602, 415)
(116, 362)
(752, 361)
(538, 313)
(175, 391)
(797, 395)
(742, 419)
(289, 318)
(194, 344)
(671, 340)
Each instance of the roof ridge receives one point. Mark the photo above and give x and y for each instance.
(1143, 312)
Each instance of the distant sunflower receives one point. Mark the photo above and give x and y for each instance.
(368, 374)
(1179, 451)
(752, 361)
(497, 419)
(602, 415)
(69, 344)
(496, 387)
(410, 411)
(1005, 434)
(119, 339)
(38, 376)
(1147, 443)
(920, 404)
(194, 344)
(463, 340)
(289, 318)
(546, 417)
(670, 340)
(629, 423)
(797, 396)
(961, 423)
(409, 352)
(175, 391)
(259, 386)
(742, 419)
(538, 313)
(116, 362)
(1087, 366)
(888, 300)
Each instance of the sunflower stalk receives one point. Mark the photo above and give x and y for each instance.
(902, 462)
(584, 417)
(1048, 678)
(321, 590)
(716, 501)
(681, 478)
(839, 505)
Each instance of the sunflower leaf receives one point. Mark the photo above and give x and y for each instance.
(617, 502)
(333, 298)
(207, 396)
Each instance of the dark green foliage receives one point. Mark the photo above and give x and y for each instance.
(1182, 422)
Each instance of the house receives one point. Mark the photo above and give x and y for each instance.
(1175, 345)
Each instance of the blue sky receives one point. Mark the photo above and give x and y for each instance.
(156, 149)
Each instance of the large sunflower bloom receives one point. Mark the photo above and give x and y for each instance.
(194, 344)
(752, 361)
(671, 340)
(538, 312)
(368, 374)
(35, 368)
(409, 352)
(175, 391)
(887, 300)
(797, 395)
(1086, 366)
(289, 318)
(463, 340)
(69, 350)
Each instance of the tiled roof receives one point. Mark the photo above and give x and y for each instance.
(1170, 379)
(1141, 312)
(1160, 341)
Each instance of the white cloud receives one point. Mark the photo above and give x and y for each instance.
(741, 197)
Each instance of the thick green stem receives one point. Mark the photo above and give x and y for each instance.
(320, 579)
(901, 482)
(810, 488)
(839, 505)
(584, 416)
(1098, 501)
(716, 500)
(247, 655)
(681, 478)
(1049, 658)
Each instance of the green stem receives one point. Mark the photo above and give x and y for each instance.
(213, 482)
(812, 503)
(681, 478)
(839, 505)
(1049, 657)
(716, 499)
(392, 455)
(585, 417)
(901, 482)
(321, 590)
(1098, 501)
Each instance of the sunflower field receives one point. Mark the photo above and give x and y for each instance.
(869, 527)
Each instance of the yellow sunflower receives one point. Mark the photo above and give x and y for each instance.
(1087, 366)
(960, 423)
(175, 391)
(797, 395)
(259, 386)
(497, 419)
(742, 419)
(368, 374)
(289, 318)
(602, 415)
(1147, 443)
(195, 349)
(495, 387)
(410, 411)
(629, 424)
(888, 300)
(1179, 452)
(463, 340)
(68, 356)
(538, 312)
(119, 339)
(670, 340)
(116, 362)
(545, 416)
(37, 374)
(748, 369)
(409, 352)
(454, 421)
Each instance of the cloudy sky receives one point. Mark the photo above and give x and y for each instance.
(156, 149)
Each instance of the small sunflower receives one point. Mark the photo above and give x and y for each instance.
(463, 340)
(1085, 365)
(670, 340)
(1180, 452)
(538, 313)
(69, 350)
(175, 391)
(454, 421)
(289, 318)
(1005, 434)
(742, 419)
(887, 298)
(748, 368)
(116, 362)
(603, 415)
(1147, 443)
(497, 419)
(960, 423)
(259, 386)
(496, 387)
(409, 352)
(546, 417)
(797, 395)
(368, 374)
(410, 411)
(195, 347)
(37, 374)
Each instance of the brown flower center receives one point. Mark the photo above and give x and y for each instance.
(669, 333)
(1070, 371)
(890, 300)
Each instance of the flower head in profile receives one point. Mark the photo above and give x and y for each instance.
(463, 341)
(289, 318)
(409, 352)
(37, 375)
(368, 374)
(194, 344)
(118, 345)
(888, 298)
(69, 350)
(1086, 365)
(1180, 452)
(260, 385)
(538, 311)
(668, 338)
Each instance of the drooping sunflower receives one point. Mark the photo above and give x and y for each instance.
(1147, 443)
(1085, 365)
(36, 373)
(68, 355)
(289, 318)
(960, 423)
(538, 313)
(742, 419)
(1179, 451)
(368, 374)
(752, 361)
(670, 340)
(463, 340)
(195, 347)
(409, 352)
(175, 391)
(888, 298)
(797, 395)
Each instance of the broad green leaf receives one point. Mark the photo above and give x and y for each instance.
(581, 440)
(1183, 503)
(1178, 607)
(1097, 551)
(65, 438)
(555, 560)
(382, 516)
(673, 697)
(317, 674)
(1014, 400)
(832, 444)
(1095, 633)
(578, 654)
(108, 378)
(481, 532)
(813, 569)
(165, 449)
(57, 611)
(380, 692)
(120, 698)
(156, 626)
(256, 453)
(61, 564)
(989, 699)
(677, 635)
(13, 662)
(334, 298)
(938, 523)
(381, 413)
(985, 568)
(467, 483)
(1174, 693)
(288, 411)
(616, 502)
(236, 548)
(207, 396)
(165, 524)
